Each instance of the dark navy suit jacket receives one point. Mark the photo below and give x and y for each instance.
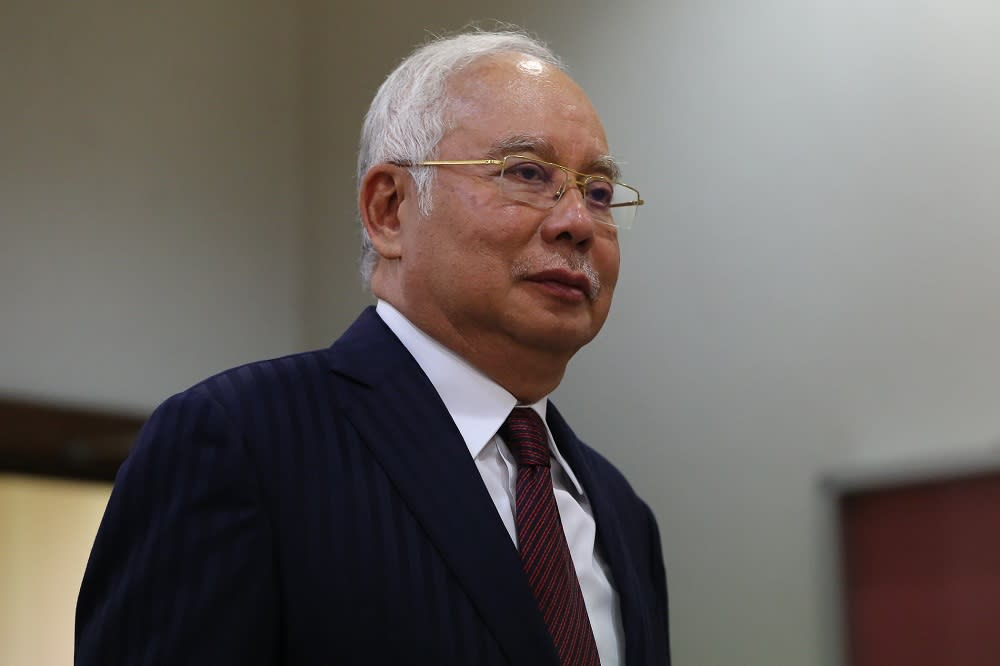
(323, 509)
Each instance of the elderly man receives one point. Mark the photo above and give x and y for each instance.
(409, 495)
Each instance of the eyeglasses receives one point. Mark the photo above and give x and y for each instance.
(542, 184)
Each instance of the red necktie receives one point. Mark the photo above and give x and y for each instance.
(542, 543)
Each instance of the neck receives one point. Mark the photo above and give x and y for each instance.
(529, 375)
(527, 372)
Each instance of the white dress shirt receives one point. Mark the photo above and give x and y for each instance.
(479, 406)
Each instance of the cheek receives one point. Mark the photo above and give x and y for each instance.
(498, 237)
(461, 198)
(478, 220)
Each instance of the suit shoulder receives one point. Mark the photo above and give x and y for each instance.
(241, 388)
(245, 409)
(268, 379)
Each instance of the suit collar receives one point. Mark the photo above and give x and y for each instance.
(406, 426)
(366, 350)
(609, 534)
(476, 403)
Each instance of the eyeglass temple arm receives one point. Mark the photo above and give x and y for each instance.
(407, 163)
(637, 202)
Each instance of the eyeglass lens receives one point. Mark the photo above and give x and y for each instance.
(542, 185)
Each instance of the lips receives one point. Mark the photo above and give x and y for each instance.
(566, 284)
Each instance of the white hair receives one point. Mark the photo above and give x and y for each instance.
(408, 117)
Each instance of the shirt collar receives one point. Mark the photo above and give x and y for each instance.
(476, 403)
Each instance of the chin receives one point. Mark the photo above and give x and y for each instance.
(546, 325)
(559, 339)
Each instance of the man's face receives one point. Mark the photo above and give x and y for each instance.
(493, 271)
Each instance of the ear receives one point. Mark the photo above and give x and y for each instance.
(384, 188)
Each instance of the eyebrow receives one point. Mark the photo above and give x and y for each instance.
(522, 143)
(607, 165)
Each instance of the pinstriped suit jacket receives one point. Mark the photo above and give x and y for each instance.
(323, 509)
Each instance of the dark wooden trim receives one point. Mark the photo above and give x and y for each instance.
(64, 441)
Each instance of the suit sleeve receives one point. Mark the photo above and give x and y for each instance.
(182, 569)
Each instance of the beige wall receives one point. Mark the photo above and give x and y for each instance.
(46, 530)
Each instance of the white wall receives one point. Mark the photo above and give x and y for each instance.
(151, 182)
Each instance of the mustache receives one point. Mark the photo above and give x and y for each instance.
(576, 263)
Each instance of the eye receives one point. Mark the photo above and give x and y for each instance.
(527, 172)
(600, 193)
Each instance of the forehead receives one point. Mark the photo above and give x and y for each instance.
(513, 95)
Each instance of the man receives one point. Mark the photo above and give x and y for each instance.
(409, 496)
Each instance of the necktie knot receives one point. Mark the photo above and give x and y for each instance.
(525, 435)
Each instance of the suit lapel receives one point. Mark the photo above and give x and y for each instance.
(406, 426)
(609, 535)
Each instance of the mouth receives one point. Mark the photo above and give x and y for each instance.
(566, 285)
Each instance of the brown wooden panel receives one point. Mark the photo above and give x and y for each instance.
(70, 442)
(922, 573)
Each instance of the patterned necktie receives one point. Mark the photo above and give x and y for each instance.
(542, 543)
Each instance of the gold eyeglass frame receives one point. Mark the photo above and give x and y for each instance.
(579, 180)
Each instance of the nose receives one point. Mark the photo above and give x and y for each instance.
(569, 221)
